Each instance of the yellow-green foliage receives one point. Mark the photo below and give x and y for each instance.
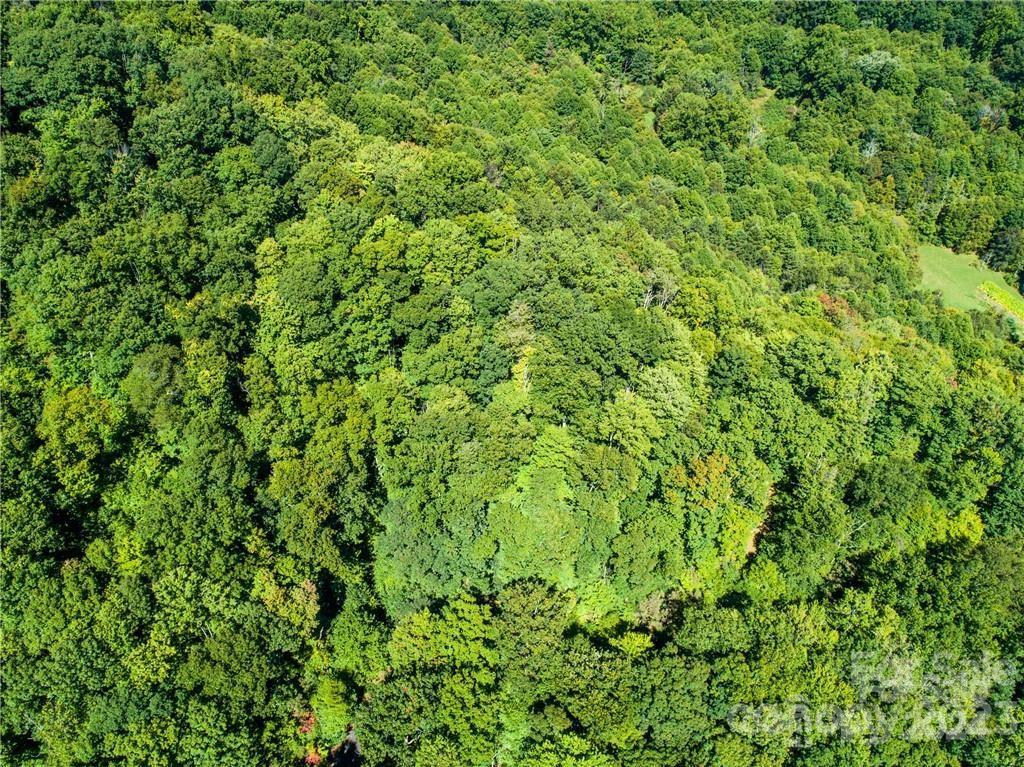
(1006, 299)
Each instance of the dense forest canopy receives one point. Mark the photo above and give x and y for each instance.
(525, 384)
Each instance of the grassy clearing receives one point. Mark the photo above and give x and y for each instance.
(1006, 299)
(966, 283)
(757, 103)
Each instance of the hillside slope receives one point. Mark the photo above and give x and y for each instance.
(508, 384)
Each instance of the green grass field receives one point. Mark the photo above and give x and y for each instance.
(1007, 299)
(966, 283)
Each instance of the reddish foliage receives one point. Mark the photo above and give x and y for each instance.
(313, 757)
(307, 721)
(836, 307)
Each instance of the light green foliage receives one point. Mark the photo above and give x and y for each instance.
(569, 751)
(716, 526)
(535, 521)
(79, 432)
